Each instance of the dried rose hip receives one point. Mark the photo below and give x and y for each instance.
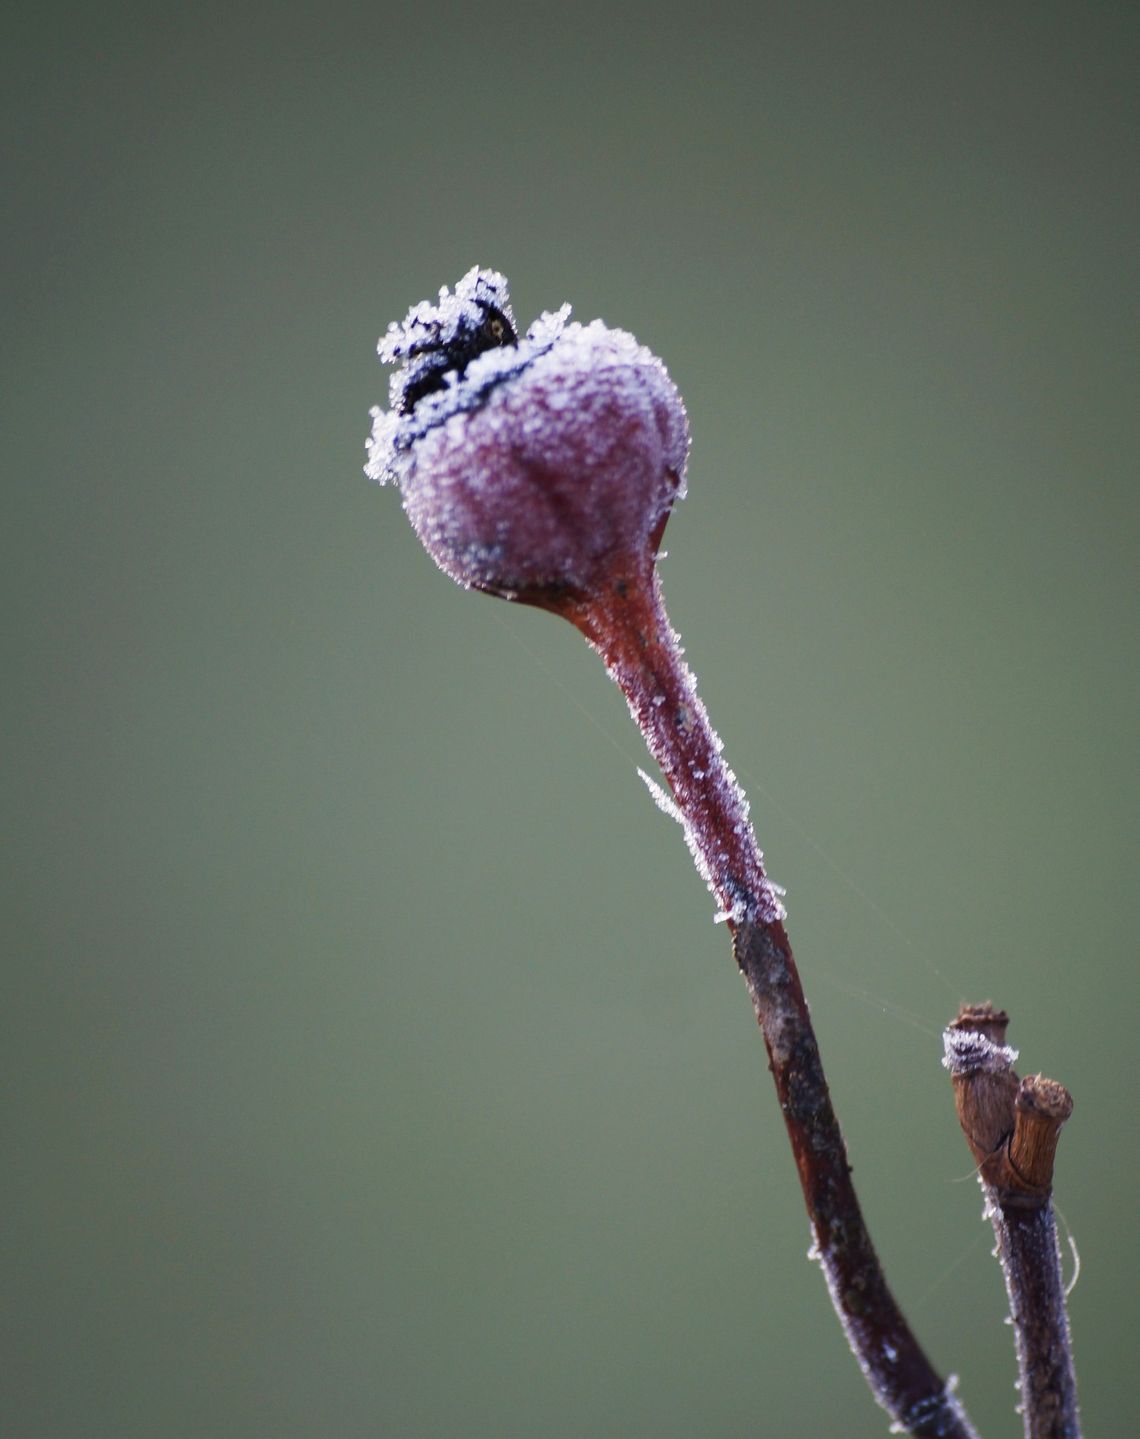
(529, 467)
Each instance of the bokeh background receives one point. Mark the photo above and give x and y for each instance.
(373, 1064)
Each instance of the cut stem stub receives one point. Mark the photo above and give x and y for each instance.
(1012, 1128)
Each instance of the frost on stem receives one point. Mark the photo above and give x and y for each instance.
(767, 902)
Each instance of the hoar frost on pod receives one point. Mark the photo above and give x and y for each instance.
(528, 465)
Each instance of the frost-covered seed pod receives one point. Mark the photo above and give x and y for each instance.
(529, 467)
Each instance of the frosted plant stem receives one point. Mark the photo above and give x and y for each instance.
(625, 620)
(1012, 1127)
(1031, 1263)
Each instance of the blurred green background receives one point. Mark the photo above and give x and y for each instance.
(373, 1064)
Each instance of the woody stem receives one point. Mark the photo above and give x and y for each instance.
(625, 620)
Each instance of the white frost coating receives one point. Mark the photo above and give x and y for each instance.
(739, 911)
(664, 802)
(965, 1051)
(594, 366)
(667, 805)
(429, 328)
(762, 899)
(590, 368)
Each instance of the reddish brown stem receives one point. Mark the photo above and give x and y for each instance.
(625, 620)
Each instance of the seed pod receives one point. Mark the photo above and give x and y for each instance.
(532, 467)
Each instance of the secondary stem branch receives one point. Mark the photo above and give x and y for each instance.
(1012, 1129)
